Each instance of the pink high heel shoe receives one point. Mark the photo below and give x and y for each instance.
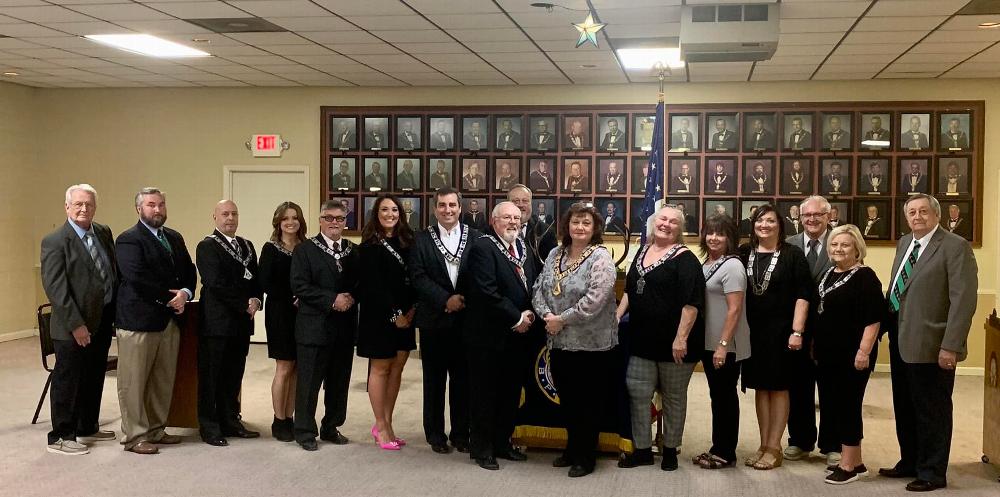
(393, 445)
(400, 442)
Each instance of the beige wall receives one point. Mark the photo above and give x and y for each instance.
(179, 139)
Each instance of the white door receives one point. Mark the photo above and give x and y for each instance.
(257, 191)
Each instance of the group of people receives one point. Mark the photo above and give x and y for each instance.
(787, 314)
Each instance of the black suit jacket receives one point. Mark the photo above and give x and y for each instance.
(73, 284)
(766, 140)
(340, 141)
(541, 239)
(316, 281)
(620, 141)
(960, 141)
(514, 143)
(429, 274)
(906, 186)
(843, 140)
(540, 183)
(441, 141)
(805, 141)
(225, 292)
(497, 296)
(725, 140)
(148, 273)
(412, 142)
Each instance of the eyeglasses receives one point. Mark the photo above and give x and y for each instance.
(331, 219)
(813, 215)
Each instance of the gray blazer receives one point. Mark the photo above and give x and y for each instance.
(823, 262)
(937, 305)
(72, 283)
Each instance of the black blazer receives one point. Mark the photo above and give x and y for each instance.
(316, 281)
(496, 295)
(541, 239)
(73, 284)
(225, 292)
(148, 273)
(429, 274)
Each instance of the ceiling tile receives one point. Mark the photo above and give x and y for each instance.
(844, 75)
(434, 48)
(907, 75)
(901, 23)
(198, 10)
(288, 50)
(27, 30)
(329, 58)
(466, 59)
(413, 36)
(472, 21)
(366, 7)
(522, 6)
(967, 23)
(501, 46)
(823, 10)
(960, 48)
(624, 16)
(538, 18)
(784, 50)
(874, 48)
(889, 8)
(6, 43)
(429, 7)
(275, 8)
(871, 58)
(313, 23)
(809, 38)
(44, 14)
(86, 28)
(500, 34)
(868, 37)
(268, 38)
(532, 56)
(961, 36)
(924, 66)
(779, 77)
(353, 37)
(393, 23)
(834, 25)
(121, 12)
(944, 58)
(364, 48)
(164, 27)
(450, 67)
(625, 31)
(235, 50)
(252, 60)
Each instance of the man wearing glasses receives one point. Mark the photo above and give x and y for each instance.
(324, 276)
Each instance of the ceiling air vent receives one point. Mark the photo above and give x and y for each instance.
(729, 13)
(237, 25)
(729, 33)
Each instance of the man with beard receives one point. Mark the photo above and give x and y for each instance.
(795, 181)
(158, 279)
(499, 316)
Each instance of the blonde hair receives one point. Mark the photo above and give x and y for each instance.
(855, 234)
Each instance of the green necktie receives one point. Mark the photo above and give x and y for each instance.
(904, 277)
(163, 241)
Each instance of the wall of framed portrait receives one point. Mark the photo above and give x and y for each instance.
(865, 157)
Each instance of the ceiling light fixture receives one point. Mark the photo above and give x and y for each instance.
(11, 73)
(147, 45)
(647, 58)
(989, 25)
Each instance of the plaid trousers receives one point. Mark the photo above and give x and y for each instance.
(671, 379)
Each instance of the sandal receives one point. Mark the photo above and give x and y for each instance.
(750, 461)
(715, 462)
(771, 459)
(701, 458)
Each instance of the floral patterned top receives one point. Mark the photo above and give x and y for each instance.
(585, 300)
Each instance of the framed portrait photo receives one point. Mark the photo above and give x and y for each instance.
(914, 174)
(719, 207)
(441, 133)
(873, 218)
(689, 208)
(914, 131)
(351, 223)
(747, 210)
(954, 176)
(876, 131)
(544, 133)
(836, 131)
(758, 176)
(343, 174)
(798, 133)
(369, 204)
(637, 223)
(956, 131)
(835, 176)
(724, 132)
(510, 134)
(475, 133)
(576, 175)
(473, 175)
(440, 172)
(796, 176)
(543, 210)
(720, 176)
(613, 130)
(377, 133)
(684, 134)
(506, 173)
(412, 212)
(684, 176)
(376, 174)
(475, 212)
(789, 212)
(409, 133)
(612, 211)
(642, 132)
(343, 133)
(640, 172)
(408, 174)
(760, 132)
(542, 174)
(840, 212)
(611, 175)
(956, 217)
(874, 177)
(577, 133)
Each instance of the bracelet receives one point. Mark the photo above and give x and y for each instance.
(395, 315)
(797, 334)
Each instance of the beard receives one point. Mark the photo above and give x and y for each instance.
(508, 235)
(154, 221)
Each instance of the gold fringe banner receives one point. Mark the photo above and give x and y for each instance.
(555, 438)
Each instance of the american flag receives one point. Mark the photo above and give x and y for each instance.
(654, 176)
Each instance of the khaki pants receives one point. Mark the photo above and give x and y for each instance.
(147, 363)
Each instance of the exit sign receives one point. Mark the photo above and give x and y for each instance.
(266, 145)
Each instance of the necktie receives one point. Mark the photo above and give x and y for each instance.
(163, 241)
(92, 249)
(513, 253)
(904, 277)
(236, 247)
(336, 247)
(812, 256)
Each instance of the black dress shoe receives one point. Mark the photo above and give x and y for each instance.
(309, 445)
(577, 471)
(461, 447)
(669, 462)
(335, 438)
(512, 454)
(216, 441)
(441, 448)
(283, 429)
(242, 433)
(639, 457)
(489, 463)
(561, 462)
(895, 473)
(919, 485)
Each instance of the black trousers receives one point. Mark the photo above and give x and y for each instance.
(443, 358)
(583, 380)
(495, 379)
(77, 386)
(328, 366)
(921, 401)
(221, 364)
(846, 396)
(725, 404)
(802, 431)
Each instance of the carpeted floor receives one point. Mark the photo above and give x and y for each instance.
(267, 467)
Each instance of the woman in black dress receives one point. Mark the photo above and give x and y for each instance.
(385, 330)
(847, 320)
(777, 305)
(279, 312)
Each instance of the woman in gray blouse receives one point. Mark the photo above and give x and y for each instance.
(575, 296)
(727, 336)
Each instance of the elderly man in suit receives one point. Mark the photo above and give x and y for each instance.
(499, 316)
(157, 280)
(80, 275)
(439, 264)
(230, 297)
(932, 298)
(802, 434)
(324, 277)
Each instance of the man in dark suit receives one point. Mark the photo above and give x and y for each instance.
(540, 178)
(375, 180)
(915, 181)
(441, 139)
(932, 298)
(441, 178)
(954, 137)
(874, 225)
(80, 275)
(405, 179)
(802, 433)
(498, 318)
(683, 181)
(472, 180)
(538, 237)
(157, 280)
(799, 139)
(507, 138)
(543, 139)
(614, 139)
(877, 132)
(407, 138)
(614, 180)
(834, 181)
(683, 138)
(541, 215)
(438, 266)
(874, 180)
(345, 137)
(230, 297)
(957, 224)
(746, 224)
(759, 137)
(723, 139)
(324, 277)
(837, 138)
(577, 137)
(793, 223)
(913, 138)
(475, 218)
(475, 139)
(343, 180)
(612, 220)
(375, 137)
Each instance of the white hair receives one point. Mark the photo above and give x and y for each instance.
(82, 187)
(496, 208)
(651, 220)
(824, 204)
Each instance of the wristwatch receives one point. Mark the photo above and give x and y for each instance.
(724, 343)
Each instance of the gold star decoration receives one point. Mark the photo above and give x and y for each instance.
(588, 31)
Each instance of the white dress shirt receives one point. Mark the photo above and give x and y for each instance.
(923, 248)
(333, 244)
(451, 240)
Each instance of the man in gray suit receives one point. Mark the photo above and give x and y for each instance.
(814, 212)
(79, 274)
(932, 298)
